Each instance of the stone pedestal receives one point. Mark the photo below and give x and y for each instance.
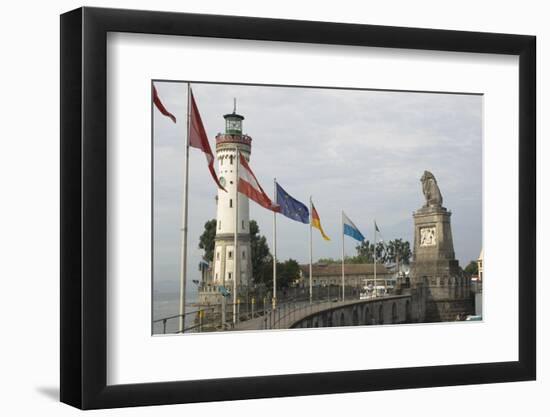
(434, 267)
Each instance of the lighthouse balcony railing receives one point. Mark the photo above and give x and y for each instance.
(227, 138)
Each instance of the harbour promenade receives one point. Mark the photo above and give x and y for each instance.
(348, 312)
(299, 313)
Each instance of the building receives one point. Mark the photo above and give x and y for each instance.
(480, 266)
(356, 275)
(225, 255)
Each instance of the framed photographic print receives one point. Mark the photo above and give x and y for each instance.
(257, 208)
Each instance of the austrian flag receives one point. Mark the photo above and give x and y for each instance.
(199, 140)
(249, 186)
(160, 106)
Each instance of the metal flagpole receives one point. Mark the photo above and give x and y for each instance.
(183, 249)
(343, 282)
(385, 276)
(236, 257)
(374, 255)
(274, 299)
(310, 251)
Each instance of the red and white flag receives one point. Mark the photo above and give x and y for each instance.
(160, 106)
(199, 140)
(249, 186)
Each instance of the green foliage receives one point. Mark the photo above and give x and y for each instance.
(398, 250)
(395, 250)
(329, 261)
(471, 268)
(261, 256)
(287, 272)
(365, 253)
(206, 241)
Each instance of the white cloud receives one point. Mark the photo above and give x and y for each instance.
(361, 151)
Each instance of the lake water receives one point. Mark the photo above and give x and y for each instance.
(166, 303)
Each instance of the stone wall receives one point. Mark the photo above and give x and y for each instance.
(390, 310)
(435, 273)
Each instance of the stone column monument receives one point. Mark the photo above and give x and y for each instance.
(434, 268)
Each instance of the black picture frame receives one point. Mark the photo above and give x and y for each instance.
(84, 207)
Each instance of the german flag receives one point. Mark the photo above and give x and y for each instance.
(316, 222)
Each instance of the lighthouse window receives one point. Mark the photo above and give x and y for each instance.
(231, 159)
(230, 255)
(218, 256)
(229, 275)
(219, 224)
(230, 202)
(244, 254)
(242, 223)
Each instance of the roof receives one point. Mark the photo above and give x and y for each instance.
(234, 116)
(350, 269)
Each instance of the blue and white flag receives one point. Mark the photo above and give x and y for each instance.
(351, 229)
(290, 207)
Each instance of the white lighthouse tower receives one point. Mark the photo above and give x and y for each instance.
(225, 254)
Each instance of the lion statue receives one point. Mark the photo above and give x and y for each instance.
(431, 190)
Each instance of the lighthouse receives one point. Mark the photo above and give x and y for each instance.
(227, 224)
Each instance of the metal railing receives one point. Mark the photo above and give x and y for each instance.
(292, 310)
(288, 313)
(211, 318)
(198, 314)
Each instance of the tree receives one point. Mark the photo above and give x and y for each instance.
(260, 255)
(365, 253)
(328, 261)
(206, 241)
(471, 268)
(394, 250)
(398, 250)
(287, 272)
(381, 255)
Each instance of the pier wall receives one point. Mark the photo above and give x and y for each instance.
(389, 310)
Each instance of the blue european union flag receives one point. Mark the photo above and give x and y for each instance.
(290, 207)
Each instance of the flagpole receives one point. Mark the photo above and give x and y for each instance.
(183, 249)
(310, 250)
(236, 241)
(374, 254)
(274, 299)
(343, 279)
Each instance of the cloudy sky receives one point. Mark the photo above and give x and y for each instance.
(360, 151)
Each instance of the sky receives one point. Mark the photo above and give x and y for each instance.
(360, 151)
